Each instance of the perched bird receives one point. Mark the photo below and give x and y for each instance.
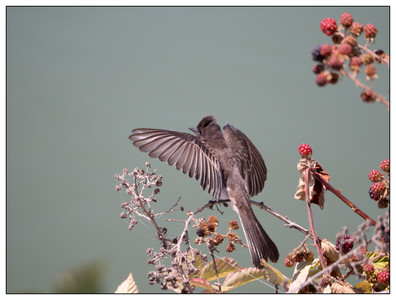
(229, 166)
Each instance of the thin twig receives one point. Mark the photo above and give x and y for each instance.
(288, 224)
(380, 98)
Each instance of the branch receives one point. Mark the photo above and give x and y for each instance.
(288, 224)
(378, 97)
(310, 218)
(342, 197)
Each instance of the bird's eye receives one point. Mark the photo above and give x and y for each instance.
(200, 131)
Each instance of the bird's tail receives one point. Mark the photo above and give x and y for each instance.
(260, 244)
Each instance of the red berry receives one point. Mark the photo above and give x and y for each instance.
(325, 50)
(368, 269)
(355, 63)
(370, 31)
(383, 277)
(305, 150)
(377, 188)
(375, 175)
(288, 262)
(335, 63)
(385, 165)
(346, 20)
(328, 26)
(321, 79)
(345, 49)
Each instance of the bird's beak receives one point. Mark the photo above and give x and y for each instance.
(193, 129)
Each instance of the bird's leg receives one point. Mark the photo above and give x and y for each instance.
(217, 202)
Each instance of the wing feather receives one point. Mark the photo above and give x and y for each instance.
(184, 151)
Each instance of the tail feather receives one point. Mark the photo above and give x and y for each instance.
(260, 244)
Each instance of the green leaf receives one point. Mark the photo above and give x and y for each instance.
(364, 287)
(128, 286)
(224, 266)
(272, 274)
(381, 262)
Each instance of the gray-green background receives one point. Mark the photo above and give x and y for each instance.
(79, 79)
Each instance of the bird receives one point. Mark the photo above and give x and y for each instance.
(228, 165)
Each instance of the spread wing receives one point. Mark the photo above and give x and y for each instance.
(184, 151)
(251, 163)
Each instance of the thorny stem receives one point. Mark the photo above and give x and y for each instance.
(310, 218)
(342, 197)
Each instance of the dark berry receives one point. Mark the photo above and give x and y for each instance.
(367, 96)
(383, 203)
(347, 244)
(334, 78)
(200, 232)
(318, 68)
(316, 56)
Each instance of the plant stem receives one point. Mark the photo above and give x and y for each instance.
(380, 98)
(342, 197)
(289, 223)
(310, 218)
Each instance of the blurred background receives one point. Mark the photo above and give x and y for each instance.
(79, 79)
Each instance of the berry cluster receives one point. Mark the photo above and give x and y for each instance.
(380, 279)
(331, 60)
(379, 190)
(345, 244)
(297, 255)
(206, 233)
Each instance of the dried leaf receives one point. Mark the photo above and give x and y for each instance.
(301, 273)
(204, 284)
(128, 286)
(342, 288)
(329, 250)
